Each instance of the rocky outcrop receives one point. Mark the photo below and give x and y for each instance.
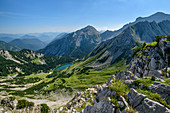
(150, 61)
(162, 89)
(104, 106)
(145, 105)
(150, 106)
(135, 98)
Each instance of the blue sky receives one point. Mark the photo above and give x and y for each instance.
(30, 16)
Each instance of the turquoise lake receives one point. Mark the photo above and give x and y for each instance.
(63, 66)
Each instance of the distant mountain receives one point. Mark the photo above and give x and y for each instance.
(76, 44)
(11, 35)
(32, 44)
(157, 17)
(46, 37)
(6, 46)
(6, 39)
(120, 47)
(28, 37)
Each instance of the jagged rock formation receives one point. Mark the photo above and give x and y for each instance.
(77, 44)
(162, 89)
(151, 59)
(145, 105)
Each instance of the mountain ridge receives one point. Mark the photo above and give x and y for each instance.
(120, 46)
(157, 17)
(26, 43)
(76, 44)
(7, 46)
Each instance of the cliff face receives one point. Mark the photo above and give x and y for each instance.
(142, 87)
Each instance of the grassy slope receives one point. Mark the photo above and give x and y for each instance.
(78, 76)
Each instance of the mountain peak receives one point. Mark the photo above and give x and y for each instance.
(159, 13)
(90, 30)
(157, 17)
(89, 27)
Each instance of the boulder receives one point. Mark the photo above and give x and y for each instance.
(162, 89)
(104, 106)
(130, 83)
(118, 111)
(102, 93)
(150, 106)
(152, 64)
(124, 101)
(145, 73)
(110, 80)
(121, 104)
(138, 75)
(135, 98)
(2, 110)
(156, 73)
(134, 77)
(120, 75)
(128, 73)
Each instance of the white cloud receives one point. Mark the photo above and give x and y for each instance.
(112, 28)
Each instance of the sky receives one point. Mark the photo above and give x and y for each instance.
(36, 16)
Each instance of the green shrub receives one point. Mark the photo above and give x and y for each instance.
(24, 103)
(120, 88)
(12, 98)
(44, 108)
(136, 49)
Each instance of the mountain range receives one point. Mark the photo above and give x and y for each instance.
(33, 41)
(118, 43)
(88, 40)
(157, 17)
(93, 62)
(28, 43)
(7, 46)
(120, 47)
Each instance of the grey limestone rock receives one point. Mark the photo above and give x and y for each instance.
(135, 98)
(150, 106)
(104, 106)
(162, 89)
